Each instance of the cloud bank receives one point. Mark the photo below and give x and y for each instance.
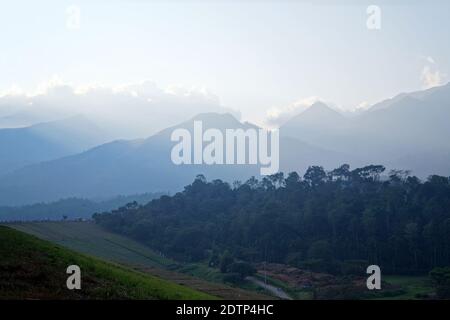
(126, 111)
(431, 76)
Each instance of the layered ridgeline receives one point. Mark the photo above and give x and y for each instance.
(144, 165)
(42, 275)
(46, 141)
(409, 131)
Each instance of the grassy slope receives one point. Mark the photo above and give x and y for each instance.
(31, 268)
(413, 287)
(88, 238)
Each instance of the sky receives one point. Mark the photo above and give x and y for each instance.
(262, 58)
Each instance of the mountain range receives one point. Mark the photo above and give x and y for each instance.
(138, 166)
(409, 131)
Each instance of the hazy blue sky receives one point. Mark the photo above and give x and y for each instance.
(254, 55)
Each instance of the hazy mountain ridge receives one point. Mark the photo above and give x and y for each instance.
(137, 166)
(119, 167)
(410, 133)
(46, 141)
(391, 132)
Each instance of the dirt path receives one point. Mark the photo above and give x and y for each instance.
(278, 292)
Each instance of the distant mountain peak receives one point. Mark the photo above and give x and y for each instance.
(214, 116)
(217, 120)
(318, 112)
(213, 120)
(319, 105)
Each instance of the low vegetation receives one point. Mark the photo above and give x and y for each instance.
(31, 268)
(88, 238)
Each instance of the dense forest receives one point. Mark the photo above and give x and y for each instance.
(338, 221)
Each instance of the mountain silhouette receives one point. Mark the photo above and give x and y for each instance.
(407, 132)
(143, 165)
(45, 141)
(401, 132)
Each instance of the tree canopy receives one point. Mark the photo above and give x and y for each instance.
(324, 221)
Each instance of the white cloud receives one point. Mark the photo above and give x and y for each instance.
(430, 60)
(128, 110)
(191, 91)
(44, 87)
(14, 90)
(431, 76)
(73, 17)
(363, 105)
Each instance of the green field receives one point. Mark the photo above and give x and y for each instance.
(90, 239)
(31, 268)
(412, 287)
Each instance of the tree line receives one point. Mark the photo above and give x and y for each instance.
(337, 221)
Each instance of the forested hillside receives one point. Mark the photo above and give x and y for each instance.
(338, 221)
